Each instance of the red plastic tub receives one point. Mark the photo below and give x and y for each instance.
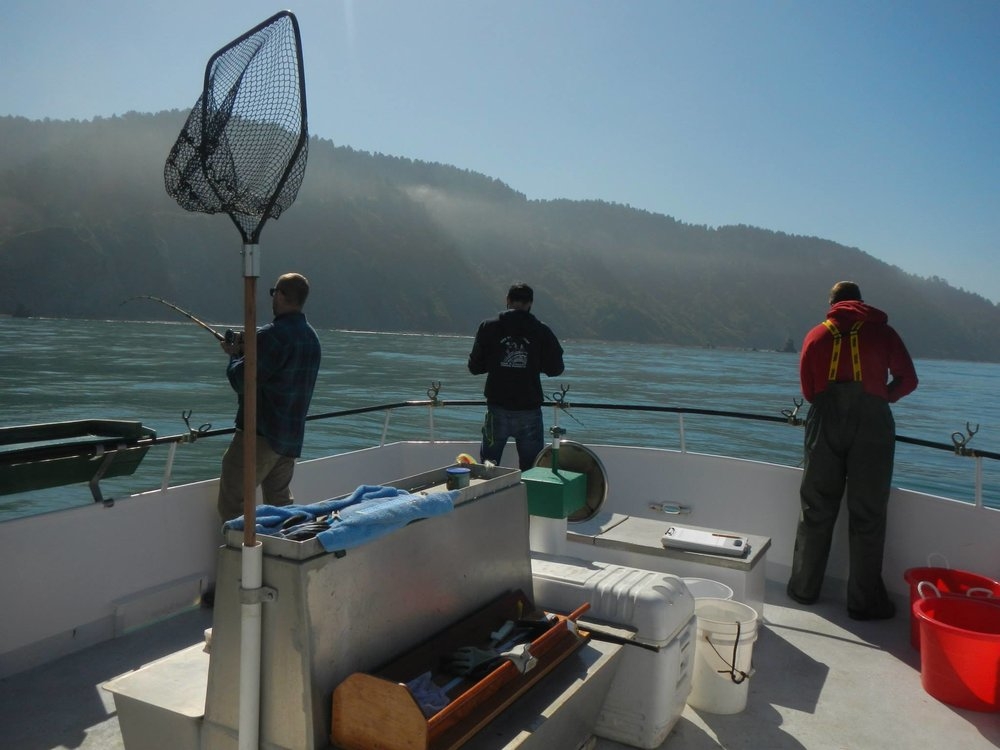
(960, 650)
(946, 581)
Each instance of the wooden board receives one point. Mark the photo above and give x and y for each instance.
(377, 709)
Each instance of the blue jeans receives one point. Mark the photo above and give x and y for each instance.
(524, 425)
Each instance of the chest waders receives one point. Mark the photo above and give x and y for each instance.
(849, 443)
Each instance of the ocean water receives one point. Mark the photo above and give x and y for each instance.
(158, 373)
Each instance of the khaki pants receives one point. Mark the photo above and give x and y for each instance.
(274, 477)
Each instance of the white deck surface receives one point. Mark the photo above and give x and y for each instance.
(822, 682)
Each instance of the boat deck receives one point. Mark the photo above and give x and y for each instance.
(823, 682)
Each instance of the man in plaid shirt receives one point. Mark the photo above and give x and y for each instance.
(288, 356)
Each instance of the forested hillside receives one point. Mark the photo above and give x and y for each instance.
(399, 245)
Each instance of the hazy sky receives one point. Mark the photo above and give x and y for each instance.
(873, 124)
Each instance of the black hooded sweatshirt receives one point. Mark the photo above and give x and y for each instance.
(513, 349)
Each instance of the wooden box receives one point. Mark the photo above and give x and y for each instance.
(377, 711)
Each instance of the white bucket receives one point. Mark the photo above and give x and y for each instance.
(705, 588)
(723, 655)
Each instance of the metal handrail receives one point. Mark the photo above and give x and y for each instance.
(107, 448)
(99, 447)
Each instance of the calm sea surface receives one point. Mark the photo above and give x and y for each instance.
(60, 370)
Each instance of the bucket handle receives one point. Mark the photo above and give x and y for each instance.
(928, 584)
(979, 592)
(736, 675)
(976, 592)
(932, 556)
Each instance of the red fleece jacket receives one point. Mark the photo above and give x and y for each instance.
(883, 354)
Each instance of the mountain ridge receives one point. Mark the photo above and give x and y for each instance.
(395, 244)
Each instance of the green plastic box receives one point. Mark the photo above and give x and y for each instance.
(554, 494)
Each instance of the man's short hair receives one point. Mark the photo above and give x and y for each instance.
(843, 291)
(295, 287)
(520, 292)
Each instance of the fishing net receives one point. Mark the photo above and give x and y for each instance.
(243, 148)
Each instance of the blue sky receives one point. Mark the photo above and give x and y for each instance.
(872, 124)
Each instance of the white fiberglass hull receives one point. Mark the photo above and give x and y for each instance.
(81, 576)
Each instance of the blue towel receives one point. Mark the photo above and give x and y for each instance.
(429, 697)
(369, 512)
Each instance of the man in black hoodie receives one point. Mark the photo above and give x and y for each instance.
(513, 349)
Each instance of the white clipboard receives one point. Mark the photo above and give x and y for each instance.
(712, 542)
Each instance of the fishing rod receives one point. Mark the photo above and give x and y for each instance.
(182, 311)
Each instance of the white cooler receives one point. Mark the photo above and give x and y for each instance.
(651, 686)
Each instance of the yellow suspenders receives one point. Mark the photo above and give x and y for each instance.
(838, 345)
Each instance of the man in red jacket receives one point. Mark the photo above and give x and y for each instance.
(852, 366)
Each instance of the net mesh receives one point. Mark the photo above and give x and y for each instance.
(243, 148)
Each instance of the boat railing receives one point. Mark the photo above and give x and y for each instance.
(98, 448)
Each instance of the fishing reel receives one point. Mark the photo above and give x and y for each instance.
(232, 342)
